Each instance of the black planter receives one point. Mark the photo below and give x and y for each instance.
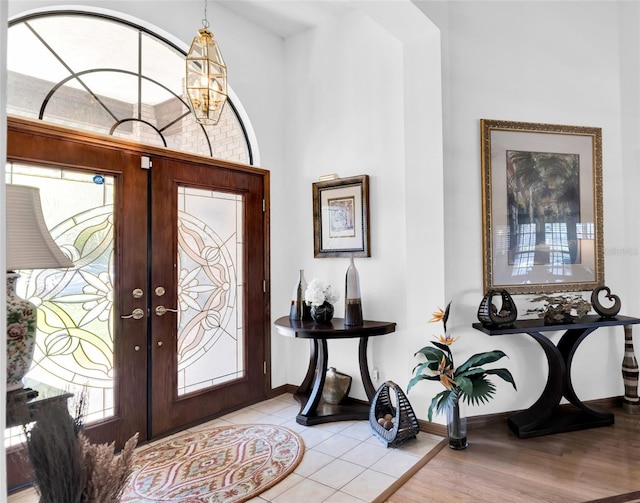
(323, 313)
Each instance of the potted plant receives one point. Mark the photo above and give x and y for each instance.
(467, 383)
(321, 298)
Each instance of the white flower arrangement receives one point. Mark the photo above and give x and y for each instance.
(317, 293)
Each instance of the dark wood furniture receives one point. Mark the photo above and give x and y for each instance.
(544, 416)
(23, 405)
(313, 409)
(22, 408)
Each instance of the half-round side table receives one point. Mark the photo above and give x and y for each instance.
(313, 409)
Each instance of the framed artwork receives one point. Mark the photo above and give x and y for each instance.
(341, 217)
(542, 207)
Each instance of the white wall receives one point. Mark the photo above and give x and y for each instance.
(363, 99)
(573, 63)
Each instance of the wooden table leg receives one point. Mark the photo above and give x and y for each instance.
(630, 401)
(307, 384)
(544, 417)
(526, 423)
(310, 408)
(364, 368)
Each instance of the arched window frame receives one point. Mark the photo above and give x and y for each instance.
(161, 36)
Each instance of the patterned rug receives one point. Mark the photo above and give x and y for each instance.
(218, 464)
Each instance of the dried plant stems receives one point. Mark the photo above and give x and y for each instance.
(107, 475)
(67, 467)
(56, 456)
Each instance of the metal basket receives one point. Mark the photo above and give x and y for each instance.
(405, 424)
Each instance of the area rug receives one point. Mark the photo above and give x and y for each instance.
(218, 464)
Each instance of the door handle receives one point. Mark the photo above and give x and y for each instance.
(136, 314)
(161, 311)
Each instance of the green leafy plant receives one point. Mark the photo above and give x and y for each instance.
(469, 382)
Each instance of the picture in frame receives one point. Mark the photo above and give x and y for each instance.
(341, 217)
(542, 207)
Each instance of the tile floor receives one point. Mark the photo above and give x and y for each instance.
(343, 461)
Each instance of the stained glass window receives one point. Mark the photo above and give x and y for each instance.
(210, 286)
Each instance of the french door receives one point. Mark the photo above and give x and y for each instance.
(172, 259)
(207, 291)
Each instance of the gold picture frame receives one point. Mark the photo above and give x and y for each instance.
(542, 207)
(341, 217)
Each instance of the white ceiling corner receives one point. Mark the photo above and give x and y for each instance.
(286, 18)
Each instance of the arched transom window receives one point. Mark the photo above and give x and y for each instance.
(99, 73)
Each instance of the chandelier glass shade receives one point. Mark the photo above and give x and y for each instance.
(206, 79)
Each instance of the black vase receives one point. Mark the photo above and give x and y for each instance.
(322, 313)
(457, 425)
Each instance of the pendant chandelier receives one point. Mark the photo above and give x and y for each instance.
(206, 79)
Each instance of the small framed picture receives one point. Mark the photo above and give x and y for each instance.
(542, 207)
(341, 217)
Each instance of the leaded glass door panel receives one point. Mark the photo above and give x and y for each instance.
(95, 200)
(207, 291)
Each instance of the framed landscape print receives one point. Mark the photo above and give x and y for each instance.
(542, 207)
(341, 217)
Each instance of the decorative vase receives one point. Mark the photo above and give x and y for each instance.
(336, 386)
(457, 425)
(21, 335)
(630, 401)
(322, 313)
(490, 316)
(352, 300)
(299, 308)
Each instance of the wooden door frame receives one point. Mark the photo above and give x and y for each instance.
(39, 128)
(21, 152)
(169, 410)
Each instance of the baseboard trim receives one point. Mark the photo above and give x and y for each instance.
(473, 422)
(281, 390)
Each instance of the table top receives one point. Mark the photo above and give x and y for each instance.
(44, 393)
(334, 329)
(538, 325)
(22, 404)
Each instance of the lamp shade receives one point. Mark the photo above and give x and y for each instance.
(29, 244)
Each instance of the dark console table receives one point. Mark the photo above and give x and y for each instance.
(309, 394)
(545, 416)
(23, 405)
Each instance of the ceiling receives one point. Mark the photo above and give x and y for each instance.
(286, 18)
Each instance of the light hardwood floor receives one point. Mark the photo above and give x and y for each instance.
(498, 467)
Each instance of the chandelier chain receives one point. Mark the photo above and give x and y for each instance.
(205, 23)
